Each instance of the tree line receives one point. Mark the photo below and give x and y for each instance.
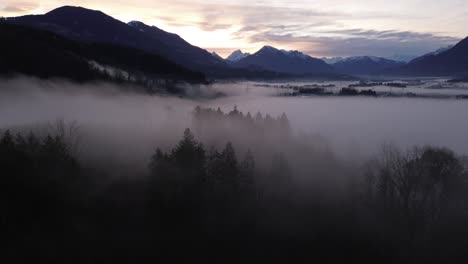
(217, 204)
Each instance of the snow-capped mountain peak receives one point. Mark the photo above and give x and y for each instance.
(360, 58)
(289, 53)
(332, 60)
(237, 56)
(402, 57)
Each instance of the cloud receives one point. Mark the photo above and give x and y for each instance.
(317, 32)
(359, 42)
(390, 34)
(20, 7)
(337, 28)
(205, 26)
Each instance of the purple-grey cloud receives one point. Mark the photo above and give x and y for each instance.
(360, 42)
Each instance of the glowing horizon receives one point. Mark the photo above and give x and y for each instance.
(318, 28)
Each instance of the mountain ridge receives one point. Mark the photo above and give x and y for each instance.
(94, 26)
(237, 55)
(450, 62)
(45, 54)
(290, 62)
(365, 65)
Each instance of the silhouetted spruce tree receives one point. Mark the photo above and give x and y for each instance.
(230, 163)
(189, 156)
(280, 177)
(223, 172)
(183, 169)
(234, 112)
(224, 195)
(7, 142)
(159, 164)
(246, 176)
(284, 123)
(258, 117)
(38, 181)
(177, 181)
(213, 169)
(163, 176)
(269, 121)
(249, 117)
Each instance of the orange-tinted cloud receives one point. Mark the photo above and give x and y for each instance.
(319, 27)
(20, 7)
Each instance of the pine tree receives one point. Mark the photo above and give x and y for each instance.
(246, 175)
(249, 116)
(258, 117)
(281, 177)
(284, 121)
(7, 141)
(189, 155)
(230, 163)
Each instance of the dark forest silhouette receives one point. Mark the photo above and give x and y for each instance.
(218, 204)
(45, 55)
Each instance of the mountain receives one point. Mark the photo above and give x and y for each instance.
(214, 54)
(92, 26)
(237, 55)
(446, 62)
(434, 53)
(332, 60)
(402, 57)
(365, 65)
(282, 61)
(44, 54)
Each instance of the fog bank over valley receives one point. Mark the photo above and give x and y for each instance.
(132, 125)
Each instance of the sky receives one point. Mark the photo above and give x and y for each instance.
(320, 28)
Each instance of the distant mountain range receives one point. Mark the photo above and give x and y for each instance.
(402, 57)
(332, 60)
(93, 28)
(365, 65)
(291, 62)
(396, 58)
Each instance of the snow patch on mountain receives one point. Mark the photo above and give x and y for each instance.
(289, 53)
(295, 54)
(434, 53)
(237, 56)
(402, 57)
(332, 60)
(361, 58)
(441, 50)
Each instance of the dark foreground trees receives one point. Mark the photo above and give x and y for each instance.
(204, 190)
(419, 198)
(219, 205)
(421, 186)
(39, 181)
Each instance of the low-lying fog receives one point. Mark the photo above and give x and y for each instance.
(125, 127)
